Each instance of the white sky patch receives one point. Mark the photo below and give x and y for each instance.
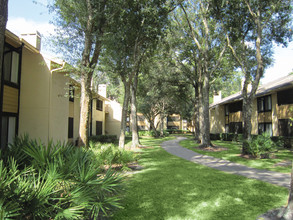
(283, 64)
(21, 26)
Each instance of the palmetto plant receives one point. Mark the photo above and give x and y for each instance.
(57, 181)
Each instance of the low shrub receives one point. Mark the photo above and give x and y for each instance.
(103, 138)
(152, 133)
(55, 181)
(110, 154)
(227, 137)
(177, 131)
(262, 145)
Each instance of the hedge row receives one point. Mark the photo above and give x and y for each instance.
(103, 138)
(287, 142)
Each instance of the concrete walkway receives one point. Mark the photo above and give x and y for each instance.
(280, 179)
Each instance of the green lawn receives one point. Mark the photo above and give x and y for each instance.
(234, 150)
(172, 188)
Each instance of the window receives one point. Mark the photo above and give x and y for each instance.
(9, 124)
(70, 127)
(140, 118)
(235, 106)
(11, 66)
(285, 127)
(264, 104)
(226, 128)
(99, 127)
(226, 110)
(99, 105)
(285, 97)
(173, 118)
(235, 127)
(71, 93)
(265, 127)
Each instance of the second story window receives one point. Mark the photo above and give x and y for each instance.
(264, 104)
(99, 105)
(226, 110)
(71, 93)
(11, 66)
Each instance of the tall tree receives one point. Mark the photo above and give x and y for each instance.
(3, 21)
(161, 90)
(251, 27)
(137, 31)
(204, 37)
(82, 26)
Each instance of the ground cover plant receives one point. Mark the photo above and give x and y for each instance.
(55, 181)
(280, 162)
(172, 188)
(110, 154)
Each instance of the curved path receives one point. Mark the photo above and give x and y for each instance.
(172, 146)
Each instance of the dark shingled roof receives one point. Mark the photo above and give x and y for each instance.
(266, 89)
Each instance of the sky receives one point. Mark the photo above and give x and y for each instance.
(24, 16)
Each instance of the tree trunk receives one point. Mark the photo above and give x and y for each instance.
(85, 98)
(248, 99)
(200, 112)
(135, 137)
(3, 21)
(196, 114)
(288, 212)
(162, 124)
(205, 127)
(124, 114)
(247, 127)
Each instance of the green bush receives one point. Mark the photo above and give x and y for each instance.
(55, 181)
(152, 133)
(261, 145)
(103, 138)
(110, 154)
(177, 131)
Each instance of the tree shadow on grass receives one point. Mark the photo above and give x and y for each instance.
(172, 188)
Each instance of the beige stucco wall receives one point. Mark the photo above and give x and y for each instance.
(76, 113)
(59, 107)
(217, 119)
(44, 108)
(113, 118)
(34, 96)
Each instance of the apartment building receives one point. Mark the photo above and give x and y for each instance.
(272, 110)
(38, 97)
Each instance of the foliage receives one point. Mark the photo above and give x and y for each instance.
(261, 144)
(57, 181)
(152, 133)
(251, 29)
(103, 138)
(110, 154)
(177, 131)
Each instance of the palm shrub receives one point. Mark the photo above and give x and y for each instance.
(55, 181)
(262, 145)
(110, 154)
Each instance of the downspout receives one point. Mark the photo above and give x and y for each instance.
(50, 89)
